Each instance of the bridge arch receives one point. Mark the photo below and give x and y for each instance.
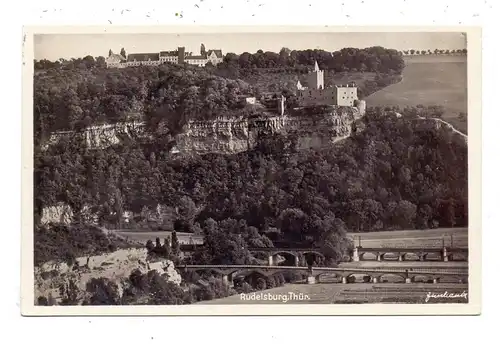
(336, 275)
(281, 252)
(294, 256)
(384, 276)
(365, 277)
(362, 254)
(317, 253)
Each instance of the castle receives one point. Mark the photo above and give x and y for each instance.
(237, 134)
(316, 93)
(179, 56)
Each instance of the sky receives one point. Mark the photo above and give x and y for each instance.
(67, 46)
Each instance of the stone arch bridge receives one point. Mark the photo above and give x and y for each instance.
(229, 272)
(445, 254)
(296, 253)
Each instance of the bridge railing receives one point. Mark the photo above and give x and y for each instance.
(410, 271)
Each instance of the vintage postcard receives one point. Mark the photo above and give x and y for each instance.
(251, 171)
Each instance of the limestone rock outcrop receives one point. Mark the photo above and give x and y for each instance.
(229, 135)
(234, 135)
(117, 266)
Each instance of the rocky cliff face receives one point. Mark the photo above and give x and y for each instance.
(234, 135)
(52, 277)
(229, 135)
(100, 136)
(62, 213)
(59, 213)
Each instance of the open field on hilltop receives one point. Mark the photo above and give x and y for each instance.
(350, 293)
(435, 58)
(432, 80)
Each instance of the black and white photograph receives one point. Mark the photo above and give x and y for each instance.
(185, 171)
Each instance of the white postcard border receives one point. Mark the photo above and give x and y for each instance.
(474, 95)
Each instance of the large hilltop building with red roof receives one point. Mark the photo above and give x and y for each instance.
(179, 56)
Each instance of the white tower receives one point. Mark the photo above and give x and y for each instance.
(316, 79)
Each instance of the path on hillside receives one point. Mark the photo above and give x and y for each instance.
(447, 124)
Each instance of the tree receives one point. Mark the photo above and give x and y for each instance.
(103, 292)
(110, 53)
(332, 238)
(150, 246)
(412, 51)
(186, 214)
(293, 223)
(167, 248)
(176, 248)
(202, 49)
(123, 53)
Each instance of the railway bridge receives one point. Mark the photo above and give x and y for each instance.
(444, 254)
(229, 272)
(296, 253)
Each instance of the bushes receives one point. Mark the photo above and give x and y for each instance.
(243, 287)
(58, 242)
(279, 279)
(261, 284)
(215, 289)
(270, 282)
(292, 277)
(42, 301)
(103, 292)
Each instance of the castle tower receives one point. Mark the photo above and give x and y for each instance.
(281, 105)
(316, 67)
(315, 79)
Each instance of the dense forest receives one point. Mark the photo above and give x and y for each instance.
(74, 94)
(393, 173)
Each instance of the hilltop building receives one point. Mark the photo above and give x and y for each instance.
(115, 61)
(178, 56)
(316, 93)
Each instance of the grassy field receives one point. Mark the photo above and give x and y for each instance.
(144, 236)
(350, 294)
(430, 80)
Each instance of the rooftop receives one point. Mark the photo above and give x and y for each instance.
(143, 57)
